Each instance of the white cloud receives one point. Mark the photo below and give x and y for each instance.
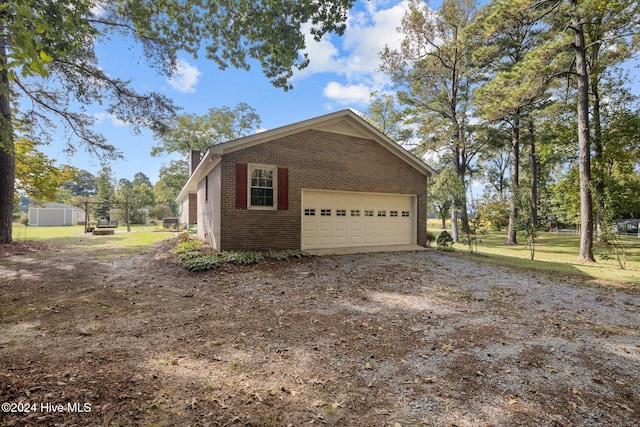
(369, 32)
(185, 77)
(101, 117)
(347, 94)
(355, 55)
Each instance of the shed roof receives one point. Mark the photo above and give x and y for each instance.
(56, 205)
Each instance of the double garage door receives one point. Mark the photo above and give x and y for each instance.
(332, 219)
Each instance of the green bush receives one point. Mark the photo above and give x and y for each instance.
(189, 246)
(444, 240)
(494, 214)
(195, 256)
(241, 258)
(202, 263)
(190, 249)
(431, 237)
(286, 254)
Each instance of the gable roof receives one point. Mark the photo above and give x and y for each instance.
(344, 122)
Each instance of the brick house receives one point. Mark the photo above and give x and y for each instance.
(328, 182)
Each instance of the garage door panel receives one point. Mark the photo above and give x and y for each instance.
(345, 219)
(309, 227)
(325, 242)
(369, 239)
(342, 226)
(325, 226)
(341, 240)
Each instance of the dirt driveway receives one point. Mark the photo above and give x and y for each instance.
(399, 339)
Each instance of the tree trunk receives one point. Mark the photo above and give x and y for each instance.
(512, 238)
(584, 141)
(454, 221)
(599, 179)
(461, 169)
(594, 64)
(534, 176)
(7, 157)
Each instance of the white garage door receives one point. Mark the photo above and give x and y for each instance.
(332, 219)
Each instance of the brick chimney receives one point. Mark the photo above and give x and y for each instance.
(194, 160)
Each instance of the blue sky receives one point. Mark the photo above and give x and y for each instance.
(342, 74)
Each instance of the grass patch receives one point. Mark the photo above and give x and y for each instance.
(140, 240)
(557, 255)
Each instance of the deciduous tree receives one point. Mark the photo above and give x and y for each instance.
(37, 176)
(83, 184)
(391, 120)
(433, 72)
(47, 56)
(105, 191)
(186, 132)
(171, 179)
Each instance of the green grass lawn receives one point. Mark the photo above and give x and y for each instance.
(557, 254)
(139, 240)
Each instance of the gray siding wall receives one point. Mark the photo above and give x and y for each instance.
(209, 208)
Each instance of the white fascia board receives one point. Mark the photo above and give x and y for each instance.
(209, 161)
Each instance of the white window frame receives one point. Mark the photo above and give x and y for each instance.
(259, 166)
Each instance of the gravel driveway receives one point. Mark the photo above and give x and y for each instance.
(405, 338)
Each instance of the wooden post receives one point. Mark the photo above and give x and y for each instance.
(86, 216)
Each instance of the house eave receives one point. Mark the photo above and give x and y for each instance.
(209, 161)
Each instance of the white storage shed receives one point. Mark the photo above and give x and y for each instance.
(52, 213)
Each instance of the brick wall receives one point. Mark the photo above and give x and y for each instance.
(318, 160)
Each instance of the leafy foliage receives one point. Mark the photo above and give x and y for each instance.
(286, 254)
(202, 263)
(433, 72)
(444, 241)
(134, 196)
(430, 238)
(525, 223)
(196, 256)
(104, 194)
(48, 59)
(241, 258)
(36, 174)
(189, 245)
(493, 214)
(187, 132)
(391, 121)
(82, 184)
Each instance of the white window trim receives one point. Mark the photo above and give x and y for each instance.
(250, 168)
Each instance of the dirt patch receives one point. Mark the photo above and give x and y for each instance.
(420, 338)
